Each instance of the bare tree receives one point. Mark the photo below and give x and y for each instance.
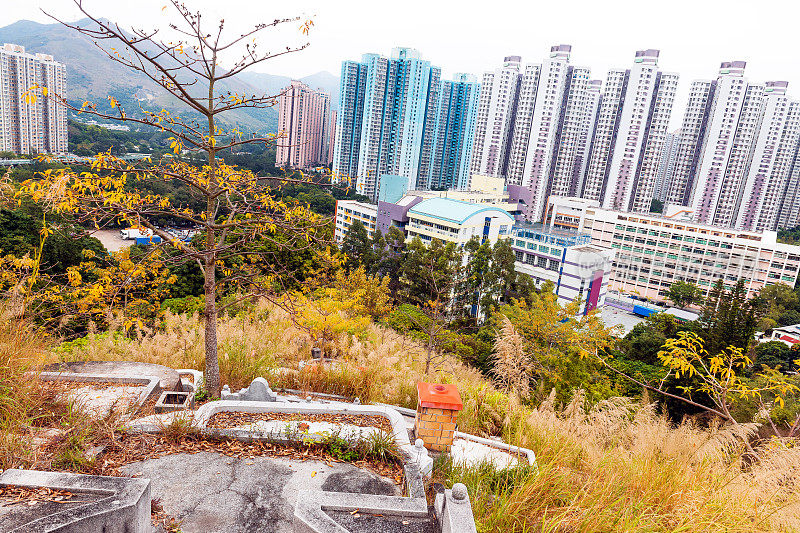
(245, 231)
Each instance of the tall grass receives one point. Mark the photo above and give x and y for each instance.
(31, 410)
(615, 466)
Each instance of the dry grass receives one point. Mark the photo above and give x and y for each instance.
(617, 466)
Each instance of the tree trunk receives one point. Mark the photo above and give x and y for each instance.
(212, 378)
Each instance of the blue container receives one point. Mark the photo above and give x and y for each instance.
(146, 241)
(643, 311)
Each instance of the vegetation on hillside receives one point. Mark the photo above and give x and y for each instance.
(612, 465)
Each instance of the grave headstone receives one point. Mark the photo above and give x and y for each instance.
(258, 391)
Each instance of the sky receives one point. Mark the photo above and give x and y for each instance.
(694, 36)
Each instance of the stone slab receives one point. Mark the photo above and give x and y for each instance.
(169, 379)
(116, 505)
(369, 523)
(174, 401)
(211, 492)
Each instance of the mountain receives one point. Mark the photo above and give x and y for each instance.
(273, 84)
(92, 76)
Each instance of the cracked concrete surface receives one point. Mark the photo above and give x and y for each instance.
(210, 492)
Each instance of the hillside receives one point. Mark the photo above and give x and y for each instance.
(91, 75)
(615, 466)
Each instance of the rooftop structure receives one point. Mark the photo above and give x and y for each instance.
(789, 335)
(456, 221)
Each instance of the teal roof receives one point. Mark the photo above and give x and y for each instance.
(454, 210)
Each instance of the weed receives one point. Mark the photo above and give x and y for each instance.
(341, 449)
(201, 395)
(179, 429)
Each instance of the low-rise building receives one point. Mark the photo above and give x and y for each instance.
(789, 335)
(348, 211)
(430, 214)
(654, 251)
(576, 268)
(455, 221)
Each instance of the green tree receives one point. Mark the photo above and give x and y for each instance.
(356, 245)
(564, 348)
(774, 354)
(64, 248)
(428, 273)
(775, 301)
(476, 273)
(390, 258)
(728, 318)
(490, 277)
(682, 293)
(656, 206)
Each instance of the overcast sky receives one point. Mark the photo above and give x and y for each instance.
(694, 36)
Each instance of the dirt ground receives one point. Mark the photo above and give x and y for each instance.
(111, 239)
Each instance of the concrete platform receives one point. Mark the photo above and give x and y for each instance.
(367, 523)
(100, 503)
(169, 379)
(211, 492)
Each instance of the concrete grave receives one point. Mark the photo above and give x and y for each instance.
(174, 401)
(453, 510)
(214, 493)
(132, 393)
(316, 509)
(168, 378)
(108, 504)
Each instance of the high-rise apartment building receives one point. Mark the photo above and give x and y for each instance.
(690, 142)
(331, 134)
(28, 126)
(304, 127)
(735, 165)
(393, 100)
(770, 162)
(631, 132)
(453, 133)
(550, 118)
(789, 213)
(521, 122)
(494, 124)
(666, 166)
(731, 127)
(591, 114)
(348, 121)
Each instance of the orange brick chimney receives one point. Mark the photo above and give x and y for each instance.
(437, 408)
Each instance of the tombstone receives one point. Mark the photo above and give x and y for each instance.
(258, 391)
(316, 353)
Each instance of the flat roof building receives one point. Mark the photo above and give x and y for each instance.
(655, 251)
(455, 221)
(577, 268)
(348, 211)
